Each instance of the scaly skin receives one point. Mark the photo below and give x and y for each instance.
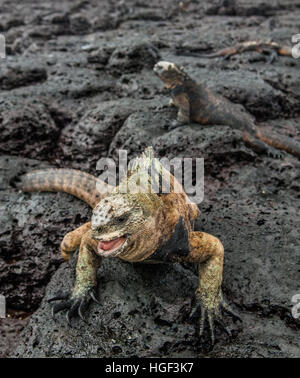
(138, 224)
(80, 184)
(197, 103)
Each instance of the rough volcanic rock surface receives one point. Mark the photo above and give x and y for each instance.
(77, 85)
(32, 227)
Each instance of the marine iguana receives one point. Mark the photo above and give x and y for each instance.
(260, 46)
(197, 103)
(136, 226)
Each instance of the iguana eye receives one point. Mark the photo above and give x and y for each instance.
(121, 219)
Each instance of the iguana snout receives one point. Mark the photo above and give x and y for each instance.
(113, 225)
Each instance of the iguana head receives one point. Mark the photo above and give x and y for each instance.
(124, 222)
(170, 73)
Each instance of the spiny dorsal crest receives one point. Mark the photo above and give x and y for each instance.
(146, 174)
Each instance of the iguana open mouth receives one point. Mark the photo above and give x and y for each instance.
(111, 247)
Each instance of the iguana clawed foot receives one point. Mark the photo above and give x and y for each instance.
(274, 153)
(212, 315)
(174, 125)
(75, 304)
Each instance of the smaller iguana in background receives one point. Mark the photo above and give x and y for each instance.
(261, 46)
(136, 226)
(196, 103)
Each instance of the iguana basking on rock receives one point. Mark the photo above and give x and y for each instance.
(196, 103)
(260, 46)
(136, 226)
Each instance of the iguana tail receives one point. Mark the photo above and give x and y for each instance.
(281, 142)
(80, 184)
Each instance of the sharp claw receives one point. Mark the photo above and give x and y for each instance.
(81, 314)
(223, 325)
(236, 316)
(233, 314)
(211, 328)
(227, 330)
(58, 296)
(93, 296)
(53, 314)
(81, 309)
(68, 317)
(229, 310)
(72, 311)
(193, 313)
(60, 306)
(202, 321)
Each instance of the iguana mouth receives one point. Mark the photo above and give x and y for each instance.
(111, 247)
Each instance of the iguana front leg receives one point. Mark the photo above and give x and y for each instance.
(72, 240)
(85, 283)
(181, 101)
(208, 252)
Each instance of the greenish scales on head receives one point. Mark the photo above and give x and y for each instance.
(118, 218)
